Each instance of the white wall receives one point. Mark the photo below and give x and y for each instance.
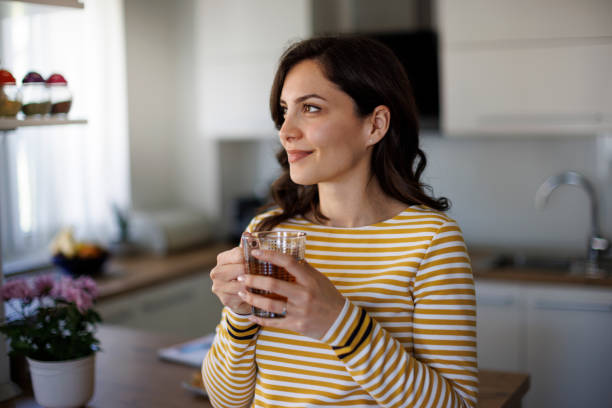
(492, 184)
(151, 39)
(200, 71)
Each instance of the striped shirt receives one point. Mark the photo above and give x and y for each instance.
(406, 336)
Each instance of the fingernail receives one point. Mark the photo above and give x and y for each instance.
(240, 278)
(241, 294)
(256, 252)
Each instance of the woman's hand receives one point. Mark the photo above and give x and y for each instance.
(313, 302)
(230, 265)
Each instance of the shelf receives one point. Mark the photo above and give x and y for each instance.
(15, 8)
(56, 3)
(12, 124)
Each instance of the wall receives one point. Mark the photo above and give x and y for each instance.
(492, 184)
(151, 38)
(199, 72)
(222, 62)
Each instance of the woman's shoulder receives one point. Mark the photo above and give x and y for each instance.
(262, 216)
(426, 214)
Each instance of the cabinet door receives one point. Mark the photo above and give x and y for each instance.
(569, 347)
(515, 20)
(500, 326)
(538, 67)
(532, 90)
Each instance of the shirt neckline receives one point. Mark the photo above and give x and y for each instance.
(309, 223)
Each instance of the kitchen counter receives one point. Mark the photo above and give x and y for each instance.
(125, 275)
(482, 270)
(128, 274)
(129, 374)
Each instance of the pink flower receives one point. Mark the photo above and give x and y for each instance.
(61, 287)
(89, 285)
(76, 291)
(16, 289)
(83, 301)
(43, 285)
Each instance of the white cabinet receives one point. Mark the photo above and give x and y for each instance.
(479, 21)
(561, 335)
(569, 344)
(537, 67)
(238, 46)
(183, 306)
(499, 326)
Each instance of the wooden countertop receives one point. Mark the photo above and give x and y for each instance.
(128, 274)
(129, 374)
(481, 270)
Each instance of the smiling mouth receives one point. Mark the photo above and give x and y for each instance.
(295, 155)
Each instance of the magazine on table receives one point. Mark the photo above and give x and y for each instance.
(190, 353)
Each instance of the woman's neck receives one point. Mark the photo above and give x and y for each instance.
(350, 207)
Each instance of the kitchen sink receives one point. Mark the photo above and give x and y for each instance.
(530, 262)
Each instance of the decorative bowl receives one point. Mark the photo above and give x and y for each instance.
(78, 265)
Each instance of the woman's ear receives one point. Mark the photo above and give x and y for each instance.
(380, 119)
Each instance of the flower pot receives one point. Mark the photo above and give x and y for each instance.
(63, 384)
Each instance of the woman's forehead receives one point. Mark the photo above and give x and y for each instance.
(307, 78)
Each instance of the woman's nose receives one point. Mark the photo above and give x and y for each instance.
(289, 131)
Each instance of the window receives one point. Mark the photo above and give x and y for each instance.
(58, 176)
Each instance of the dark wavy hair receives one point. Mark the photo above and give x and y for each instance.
(371, 75)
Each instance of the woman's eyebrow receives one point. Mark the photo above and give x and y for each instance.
(304, 97)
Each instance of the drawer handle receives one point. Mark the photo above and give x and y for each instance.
(495, 301)
(577, 307)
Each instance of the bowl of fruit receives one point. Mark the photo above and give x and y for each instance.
(77, 257)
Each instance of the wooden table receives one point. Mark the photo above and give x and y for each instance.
(129, 374)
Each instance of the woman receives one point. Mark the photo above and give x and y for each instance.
(383, 311)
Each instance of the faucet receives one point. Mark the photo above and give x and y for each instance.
(597, 244)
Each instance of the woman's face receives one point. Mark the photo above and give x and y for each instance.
(325, 139)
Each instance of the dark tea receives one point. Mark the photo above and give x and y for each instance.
(286, 242)
(257, 267)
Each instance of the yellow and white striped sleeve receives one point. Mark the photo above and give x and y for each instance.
(229, 368)
(441, 370)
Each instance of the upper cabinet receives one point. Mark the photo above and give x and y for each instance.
(539, 67)
(237, 45)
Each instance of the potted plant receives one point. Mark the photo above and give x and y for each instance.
(52, 323)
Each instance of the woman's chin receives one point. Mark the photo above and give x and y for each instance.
(302, 179)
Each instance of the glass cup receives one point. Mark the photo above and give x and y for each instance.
(286, 242)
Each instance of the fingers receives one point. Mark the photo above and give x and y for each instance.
(232, 256)
(228, 288)
(276, 306)
(230, 265)
(299, 269)
(270, 284)
(227, 273)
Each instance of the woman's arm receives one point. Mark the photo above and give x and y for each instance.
(442, 368)
(229, 368)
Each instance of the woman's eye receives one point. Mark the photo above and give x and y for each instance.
(311, 108)
(283, 110)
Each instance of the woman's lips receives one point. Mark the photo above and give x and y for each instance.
(295, 155)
